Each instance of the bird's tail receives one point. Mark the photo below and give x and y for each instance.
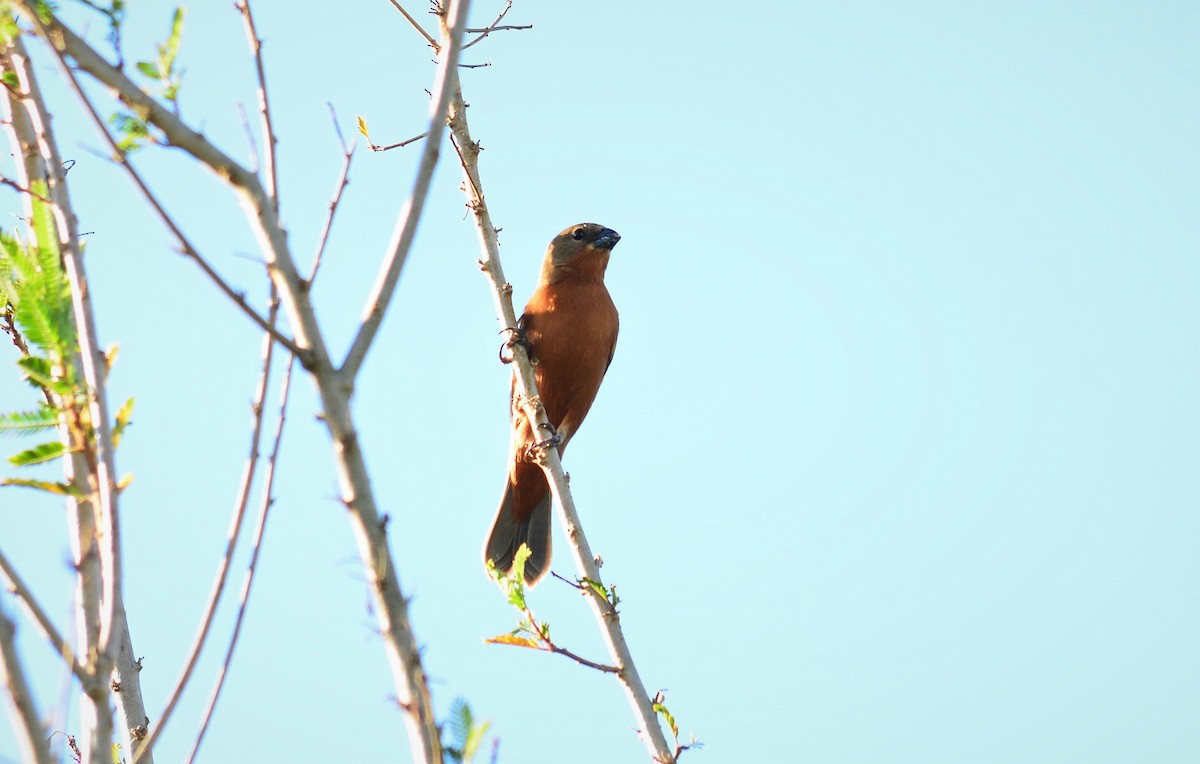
(508, 533)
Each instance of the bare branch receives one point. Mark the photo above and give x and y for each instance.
(337, 128)
(334, 387)
(399, 145)
(39, 617)
(270, 141)
(22, 189)
(495, 27)
(406, 225)
(185, 245)
(29, 729)
(432, 43)
(343, 179)
(251, 142)
(606, 616)
(543, 636)
(264, 509)
(235, 529)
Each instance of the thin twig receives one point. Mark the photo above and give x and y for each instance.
(343, 179)
(399, 145)
(337, 127)
(406, 224)
(495, 27)
(544, 637)
(270, 139)
(256, 545)
(249, 188)
(432, 43)
(22, 189)
(39, 617)
(251, 143)
(235, 529)
(185, 245)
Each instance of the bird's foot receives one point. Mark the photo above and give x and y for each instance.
(516, 336)
(535, 450)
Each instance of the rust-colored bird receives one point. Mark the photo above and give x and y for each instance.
(570, 324)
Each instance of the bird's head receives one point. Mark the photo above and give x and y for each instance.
(582, 249)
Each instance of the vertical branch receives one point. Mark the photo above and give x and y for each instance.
(27, 726)
(96, 719)
(603, 609)
(91, 359)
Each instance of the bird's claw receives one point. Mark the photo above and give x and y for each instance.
(516, 336)
(535, 450)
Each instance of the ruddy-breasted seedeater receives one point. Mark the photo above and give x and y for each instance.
(570, 327)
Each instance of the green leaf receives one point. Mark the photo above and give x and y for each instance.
(47, 452)
(26, 422)
(475, 740)
(38, 371)
(173, 42)
(45, 230)
(62, 489)
(148, 69)
(9, 77)
(9, 31)
(133, 131)
(466, 735)
(44, 10)
(516, 579)
(461, 721)
(662, 711)
(122, 421)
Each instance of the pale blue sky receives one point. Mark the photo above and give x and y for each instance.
(896, 462)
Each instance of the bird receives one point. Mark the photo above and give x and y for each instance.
(569, 328)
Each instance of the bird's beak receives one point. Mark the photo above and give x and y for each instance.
(606, 239)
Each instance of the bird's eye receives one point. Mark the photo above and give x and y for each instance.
(577, 234)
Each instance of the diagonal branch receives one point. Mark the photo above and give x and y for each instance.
(185, 245)
(256, 545)
(495, 26)
(603, 610)
(406, 226)
(27, 725)
(235, 529)
(36, 614)
(432, 43)
(343, 179)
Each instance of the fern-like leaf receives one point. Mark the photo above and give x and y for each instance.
(27, 422)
